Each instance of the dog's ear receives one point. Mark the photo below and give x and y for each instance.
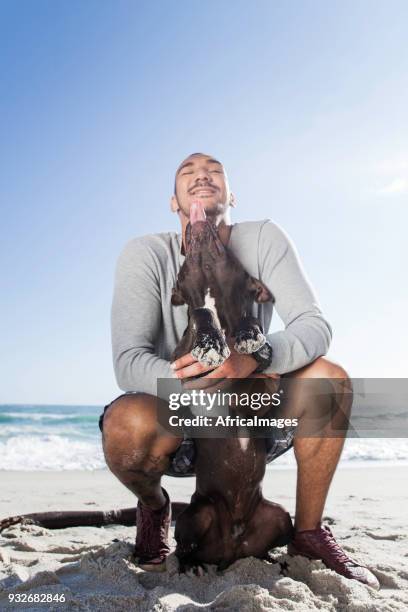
(176, 296)
(260, 292)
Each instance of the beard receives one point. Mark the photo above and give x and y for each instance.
(211, 209)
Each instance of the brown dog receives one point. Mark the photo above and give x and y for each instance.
(219, 294)
(228, 518)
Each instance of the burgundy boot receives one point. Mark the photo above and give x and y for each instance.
(152, 536)
(320, 544)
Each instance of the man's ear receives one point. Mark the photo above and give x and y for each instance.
(176, 296)
(174, 204)
(261, 292)
(232, 201)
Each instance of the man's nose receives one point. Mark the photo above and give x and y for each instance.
(202, 174)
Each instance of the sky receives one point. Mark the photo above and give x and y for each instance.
(304, 102)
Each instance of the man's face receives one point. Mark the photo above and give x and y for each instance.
(201, 178)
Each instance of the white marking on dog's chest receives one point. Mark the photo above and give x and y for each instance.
(237, 530)
(209, 302)
(243, 442)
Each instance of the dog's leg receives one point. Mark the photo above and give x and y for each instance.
(209, 345)
(249, 336)
(191, 527)
(186, 343)
(270, 527)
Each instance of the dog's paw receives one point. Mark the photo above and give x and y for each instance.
(249, 340)
(192, 568)
(211, 349)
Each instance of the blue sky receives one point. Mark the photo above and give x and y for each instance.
(305, 102)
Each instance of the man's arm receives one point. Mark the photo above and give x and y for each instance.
(307, 334)
(136, 320)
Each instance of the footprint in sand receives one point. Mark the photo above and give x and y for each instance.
(378, 536)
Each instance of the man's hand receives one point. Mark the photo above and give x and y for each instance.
(236, 366)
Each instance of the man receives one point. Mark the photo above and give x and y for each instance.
(145, 331)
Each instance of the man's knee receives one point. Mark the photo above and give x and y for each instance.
(329, 369)
(131, 412)
(129, 429)
(323, 368)
(333, 389)
(132, 439)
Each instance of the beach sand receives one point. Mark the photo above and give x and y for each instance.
(367, 509)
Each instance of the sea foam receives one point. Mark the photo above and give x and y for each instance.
(68, 438)
(50, 453)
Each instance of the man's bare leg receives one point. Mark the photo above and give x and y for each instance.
(317, 458)
(136, 448)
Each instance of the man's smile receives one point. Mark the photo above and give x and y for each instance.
(203, 191)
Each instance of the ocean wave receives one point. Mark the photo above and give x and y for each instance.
(376, 449)
(53, 452)
(26, 452)
(386, 416)
(37, 415)
(56, 429)
(368, 450)
(12, 417)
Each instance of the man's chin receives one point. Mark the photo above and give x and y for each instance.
(211, 207)
(206, 200)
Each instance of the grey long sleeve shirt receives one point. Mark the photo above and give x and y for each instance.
(146, 327)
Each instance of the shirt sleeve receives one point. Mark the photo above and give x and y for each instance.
(307, 334)
(136, 320)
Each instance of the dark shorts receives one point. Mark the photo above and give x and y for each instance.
(182, 461)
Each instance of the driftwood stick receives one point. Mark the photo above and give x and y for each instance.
(82, 518)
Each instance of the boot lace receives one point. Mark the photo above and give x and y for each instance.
(336, 550)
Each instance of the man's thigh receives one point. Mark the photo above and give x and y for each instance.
(181, 458)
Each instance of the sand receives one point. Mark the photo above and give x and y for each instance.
(91, 568)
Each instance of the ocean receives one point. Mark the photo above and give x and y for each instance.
(50, 438)
(35, 437)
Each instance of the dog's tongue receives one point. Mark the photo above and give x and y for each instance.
(197, 212)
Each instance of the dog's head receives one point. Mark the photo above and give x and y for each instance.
(209, 263)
